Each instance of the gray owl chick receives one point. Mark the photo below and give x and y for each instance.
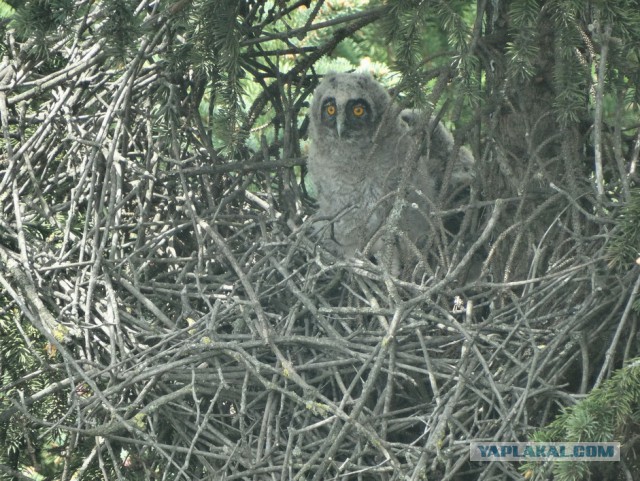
(360, 141)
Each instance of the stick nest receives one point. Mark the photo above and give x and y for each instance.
(197, 331)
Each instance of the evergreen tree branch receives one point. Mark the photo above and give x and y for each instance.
(597, 128)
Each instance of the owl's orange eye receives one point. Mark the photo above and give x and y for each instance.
(358, 110)
(331, 110)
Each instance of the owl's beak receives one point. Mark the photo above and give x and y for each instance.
(339, 126)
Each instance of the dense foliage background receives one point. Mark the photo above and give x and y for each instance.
(166, 314)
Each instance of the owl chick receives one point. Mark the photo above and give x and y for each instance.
(360, 141)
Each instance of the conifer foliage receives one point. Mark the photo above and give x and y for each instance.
(166, 314)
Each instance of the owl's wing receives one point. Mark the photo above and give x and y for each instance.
(415, 122)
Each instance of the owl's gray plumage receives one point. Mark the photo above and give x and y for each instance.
(360, 141)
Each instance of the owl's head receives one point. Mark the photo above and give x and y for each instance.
(348, 107)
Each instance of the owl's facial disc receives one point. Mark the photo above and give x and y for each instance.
(347, 119)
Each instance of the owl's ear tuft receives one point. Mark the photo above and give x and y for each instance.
(331, 77)
(365, 79)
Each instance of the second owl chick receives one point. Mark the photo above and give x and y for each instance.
(360, 141)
